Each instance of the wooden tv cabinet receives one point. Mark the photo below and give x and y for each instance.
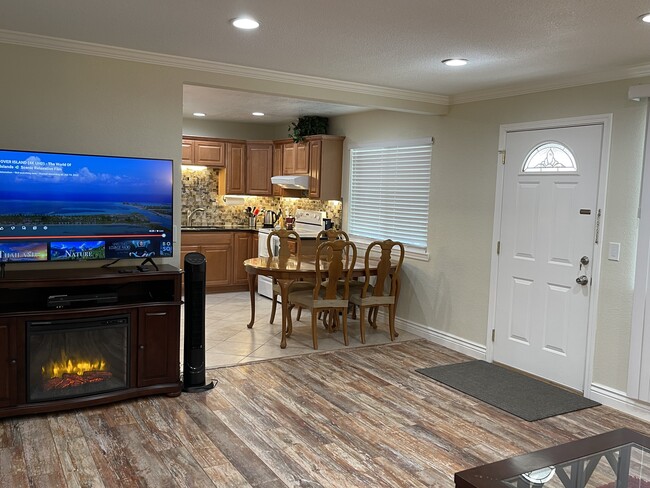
(151, 299)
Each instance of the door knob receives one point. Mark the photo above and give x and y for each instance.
(584, 260)
(582, 280)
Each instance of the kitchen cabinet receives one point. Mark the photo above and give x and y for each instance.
(187, 152)
(249, 165)
(259, 168)
(295, 159)
(242, 250)
(204, 152)
(324, 164)
(224, 253)
(277, 167)
(236, 168)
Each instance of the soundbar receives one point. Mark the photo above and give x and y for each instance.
(68, 301)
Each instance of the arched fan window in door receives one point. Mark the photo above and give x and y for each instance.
(550, 157)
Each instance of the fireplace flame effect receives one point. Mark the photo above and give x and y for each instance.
(56, 369)
(71, 372)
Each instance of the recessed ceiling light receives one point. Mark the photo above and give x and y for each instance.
(258, 114)
(198, 114)
(454, 62)
(245, 23)
(645, 18)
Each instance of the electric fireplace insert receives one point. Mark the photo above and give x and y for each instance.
(77, 357)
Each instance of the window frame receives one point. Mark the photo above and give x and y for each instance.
(411, 251)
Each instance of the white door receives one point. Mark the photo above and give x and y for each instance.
(548, 229)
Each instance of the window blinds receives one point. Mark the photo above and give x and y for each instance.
(389, 193)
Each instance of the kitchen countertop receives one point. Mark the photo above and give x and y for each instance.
(219, 228)
(231, 228)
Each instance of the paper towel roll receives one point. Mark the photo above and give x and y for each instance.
(233, 200)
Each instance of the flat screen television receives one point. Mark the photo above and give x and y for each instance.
(75, 207)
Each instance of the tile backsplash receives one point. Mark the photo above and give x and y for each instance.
(201, 190)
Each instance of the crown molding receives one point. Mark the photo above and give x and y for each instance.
(526, 89)
(124, 54)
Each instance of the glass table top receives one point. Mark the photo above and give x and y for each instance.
(615, 459)
(623, 466)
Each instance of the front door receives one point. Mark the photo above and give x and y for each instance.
(548, 230)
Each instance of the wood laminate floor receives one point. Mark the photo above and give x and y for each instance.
(355, 417)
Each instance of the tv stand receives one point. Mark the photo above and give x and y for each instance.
(2, 270)
(151, 300)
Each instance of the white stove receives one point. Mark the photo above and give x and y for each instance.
(308, 224)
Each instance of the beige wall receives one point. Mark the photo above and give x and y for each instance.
(450, 292)
(69, 102)
(61, 102)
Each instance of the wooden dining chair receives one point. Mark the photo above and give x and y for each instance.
(289, 245)
(334, 264)
(332, 234)
(326, 235)
(384, 292)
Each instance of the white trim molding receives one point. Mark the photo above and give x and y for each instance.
(638, 382)
(442, 338)
(80, 47)
(600, 393)
(88, 48)
(619, 400)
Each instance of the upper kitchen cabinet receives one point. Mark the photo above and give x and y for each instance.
(236, 168)
(187, 154)
(325, 167)
(277, 167)
(295, 160)
(259, 167)
(249, 165)
(204, 152)
(320, 157)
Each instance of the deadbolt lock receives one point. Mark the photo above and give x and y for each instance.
(584, 260)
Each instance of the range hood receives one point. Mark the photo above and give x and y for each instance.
(291, 182)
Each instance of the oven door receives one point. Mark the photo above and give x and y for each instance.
(264, 283)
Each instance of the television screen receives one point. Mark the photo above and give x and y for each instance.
(71, 207)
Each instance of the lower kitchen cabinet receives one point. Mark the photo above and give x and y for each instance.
(225, 253)
(242, 243)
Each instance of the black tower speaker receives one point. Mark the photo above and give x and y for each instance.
(194, 340)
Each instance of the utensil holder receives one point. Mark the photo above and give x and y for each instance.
(251, 222)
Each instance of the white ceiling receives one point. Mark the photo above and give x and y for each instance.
(236, 106)
(512, 45)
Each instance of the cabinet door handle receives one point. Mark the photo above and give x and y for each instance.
(156, 314)
(12, 362)
(142, 347)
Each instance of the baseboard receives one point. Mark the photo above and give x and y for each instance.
(619, 400)
(603, 394)
(446, 339)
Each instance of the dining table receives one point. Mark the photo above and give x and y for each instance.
(289, 269)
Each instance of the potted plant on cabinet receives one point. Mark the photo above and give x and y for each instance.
(308, 125)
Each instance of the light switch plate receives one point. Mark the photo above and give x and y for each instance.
(614, 253)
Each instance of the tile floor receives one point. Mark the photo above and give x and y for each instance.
(228, 341)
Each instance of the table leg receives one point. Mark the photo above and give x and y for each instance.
(284, 294)
(251, 287)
